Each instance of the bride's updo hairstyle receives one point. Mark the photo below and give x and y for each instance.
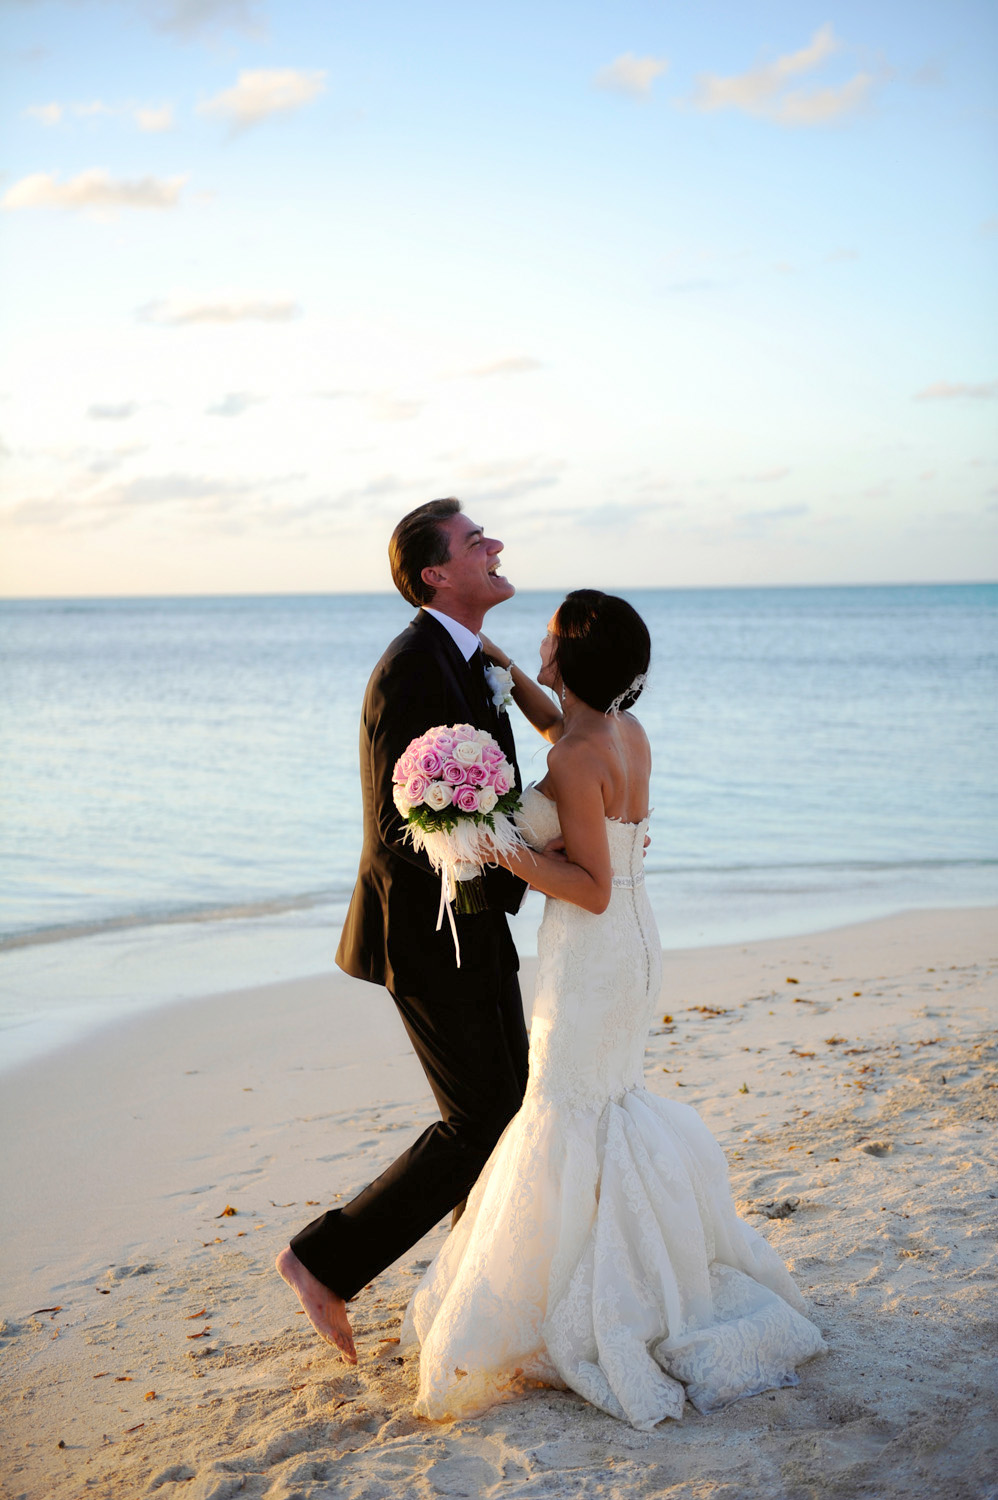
(602, 647)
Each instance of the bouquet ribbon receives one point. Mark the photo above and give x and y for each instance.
(447, 891)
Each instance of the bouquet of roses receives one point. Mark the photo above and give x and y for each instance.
(454, 787)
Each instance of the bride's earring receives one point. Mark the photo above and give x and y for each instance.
(563, 692)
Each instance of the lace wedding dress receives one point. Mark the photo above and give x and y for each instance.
(600, 1248)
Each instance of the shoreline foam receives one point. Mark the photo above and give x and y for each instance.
(62, 984)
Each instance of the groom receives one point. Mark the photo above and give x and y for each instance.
(465, 1024)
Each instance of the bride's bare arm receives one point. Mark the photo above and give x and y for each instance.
(533, 701)
(583, 875)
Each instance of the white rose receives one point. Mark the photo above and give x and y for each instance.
(487, 799)
(482, 736)
(401, 800)
(438, 795)
(468, 752)
(508, 772)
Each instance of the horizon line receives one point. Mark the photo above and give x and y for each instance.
(647, 588)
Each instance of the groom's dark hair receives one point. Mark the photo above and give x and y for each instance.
(601, 646)
(418, 542)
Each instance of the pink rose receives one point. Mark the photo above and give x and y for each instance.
(466, 798)
(453, 774)
(404, 766)
(492, 755)
(415, 787)
(477, 775)
(464, 731)
(429, 762)
(500, 784)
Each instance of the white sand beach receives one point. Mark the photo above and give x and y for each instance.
(151, 1173)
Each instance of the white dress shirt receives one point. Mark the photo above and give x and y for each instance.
(464, 639)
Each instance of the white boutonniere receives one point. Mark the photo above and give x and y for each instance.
(500, 683)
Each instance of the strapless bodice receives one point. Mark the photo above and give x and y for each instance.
(538, 823)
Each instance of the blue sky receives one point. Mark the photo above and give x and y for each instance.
(668, 295)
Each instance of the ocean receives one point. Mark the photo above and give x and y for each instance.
(179, 803)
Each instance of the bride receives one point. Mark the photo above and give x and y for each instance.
(600, 1249)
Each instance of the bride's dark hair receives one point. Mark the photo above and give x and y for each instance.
(602, 644)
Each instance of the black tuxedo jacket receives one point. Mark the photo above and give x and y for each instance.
(421, 681)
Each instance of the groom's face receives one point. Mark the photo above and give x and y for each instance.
(470, 577)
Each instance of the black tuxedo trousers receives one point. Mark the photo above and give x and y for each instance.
(465, 1024)
(468, 1032)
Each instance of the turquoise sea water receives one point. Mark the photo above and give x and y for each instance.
(821, 755)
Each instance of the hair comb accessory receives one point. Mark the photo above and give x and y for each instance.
(628, 692)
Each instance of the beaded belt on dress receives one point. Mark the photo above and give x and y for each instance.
(628, 882)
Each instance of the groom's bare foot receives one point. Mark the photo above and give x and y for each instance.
(326, 1312)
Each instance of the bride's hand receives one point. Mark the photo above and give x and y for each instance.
(493, 651)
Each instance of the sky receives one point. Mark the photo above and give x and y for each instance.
(669, 295)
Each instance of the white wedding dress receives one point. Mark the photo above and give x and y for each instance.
(600, 1248)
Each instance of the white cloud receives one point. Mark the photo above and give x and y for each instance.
(777, 513)
(155, 120)
(385, 407)
(42, 512)
(628, 74)
(748, 90)
(819, 106)
(168, 489)
(617, 515)
(107, 411)
(190, 16)
(48, 114)
(93, 189)
(177, 312)
(147, 118)
(515, 488)
(517, 364)
(375, 489)
(197, 495)
(107, 461)
(233, 405)
(766, 476)
(263, 92)
(944, 390)
(508, 479)
(764, 91)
